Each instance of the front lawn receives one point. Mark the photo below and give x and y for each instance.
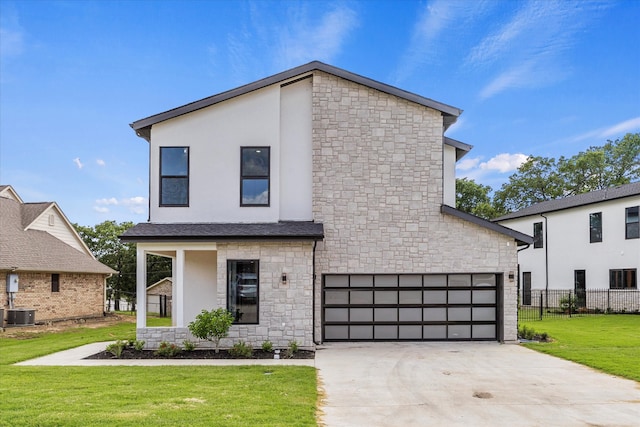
(145, 396)
(610, 343)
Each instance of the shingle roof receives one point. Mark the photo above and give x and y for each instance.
(627, 190)
(31, 211)
(35, 250)
(143, 126)
(295, 230)
(521, 238)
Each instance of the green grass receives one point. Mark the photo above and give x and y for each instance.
(146, 396)
(609, 343)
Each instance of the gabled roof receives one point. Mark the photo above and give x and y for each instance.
(31, 211)
(37, 250)
(143, 126)
(613, 193)
(461, 148)
(159, 282)
(520, 238)
(8, 192)
(294, 230)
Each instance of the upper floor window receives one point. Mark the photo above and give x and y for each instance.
(538, 240)
(254, 176)
(174, 176)
(595, 227)
(623, 279)
(632, 229)
(55, 282)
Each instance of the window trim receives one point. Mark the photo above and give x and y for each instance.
(538, 237)
(257, 263)
(55, 282)
(244, 177)
(623, 272)
(592, 229)
(627, 223)
(186, 177)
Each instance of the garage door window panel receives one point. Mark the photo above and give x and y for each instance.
(435, 297)
(386, 297)
(361, 297)
(410, 297)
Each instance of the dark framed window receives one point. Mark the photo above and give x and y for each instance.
(595, 227)
(625, 278)
(174, 176)
(255, 176)
(538, 240)
(632, 223)
(243, 290)
(55, 282)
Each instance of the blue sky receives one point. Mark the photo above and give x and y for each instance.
(533, 78)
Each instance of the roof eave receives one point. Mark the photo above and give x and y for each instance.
(520, 238)
(143, 127)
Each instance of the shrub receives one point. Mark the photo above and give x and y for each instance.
(291, 349)
(167, 349)
(189, 345)
(568, 302)
(267, 346)
(241, 349)
(117, 348)
(137, 345)
(212, 325)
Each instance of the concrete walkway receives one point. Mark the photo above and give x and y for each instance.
(467, 384)
(438, 384)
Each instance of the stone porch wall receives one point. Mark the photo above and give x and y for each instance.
(285, 310)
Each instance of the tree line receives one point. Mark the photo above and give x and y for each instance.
(544, 178)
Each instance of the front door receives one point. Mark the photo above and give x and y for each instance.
(580, 288)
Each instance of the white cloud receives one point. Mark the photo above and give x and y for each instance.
(260, 199)
(466, 164)
(101, 209)
(78, 163)
(110, 201)
(100, 162)
(531, 46)
(616, 130)
(504, 162)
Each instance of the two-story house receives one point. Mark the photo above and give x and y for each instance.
(582, 243)
(315, 205)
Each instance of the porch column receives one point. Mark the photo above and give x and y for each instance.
(141, 288)
(179, 288)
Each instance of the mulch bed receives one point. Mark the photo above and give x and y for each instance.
(130, 353)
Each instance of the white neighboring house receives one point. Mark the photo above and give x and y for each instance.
(585, 242)
(315, 205)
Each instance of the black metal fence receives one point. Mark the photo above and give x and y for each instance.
(538, 304)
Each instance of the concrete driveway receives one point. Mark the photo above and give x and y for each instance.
(467, 384)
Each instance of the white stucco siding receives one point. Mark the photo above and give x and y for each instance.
(276, 117)
(296, 183)
(200, 283)
(449, 166)
(569, 248)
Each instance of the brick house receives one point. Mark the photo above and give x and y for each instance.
(56, 273)
(316, 205)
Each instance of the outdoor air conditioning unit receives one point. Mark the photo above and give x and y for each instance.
(21, 316)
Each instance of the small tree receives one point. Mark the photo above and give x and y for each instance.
(212, 325)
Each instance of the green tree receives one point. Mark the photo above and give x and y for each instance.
(475, 199)
(212, 325)
(104, 242)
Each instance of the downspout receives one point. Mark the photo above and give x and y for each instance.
(546, 263)
(313, 292)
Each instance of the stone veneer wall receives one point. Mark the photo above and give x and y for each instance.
(378, 188)
(285, 310)
(80, 295)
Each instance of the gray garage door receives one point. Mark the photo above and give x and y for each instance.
(390, 307)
